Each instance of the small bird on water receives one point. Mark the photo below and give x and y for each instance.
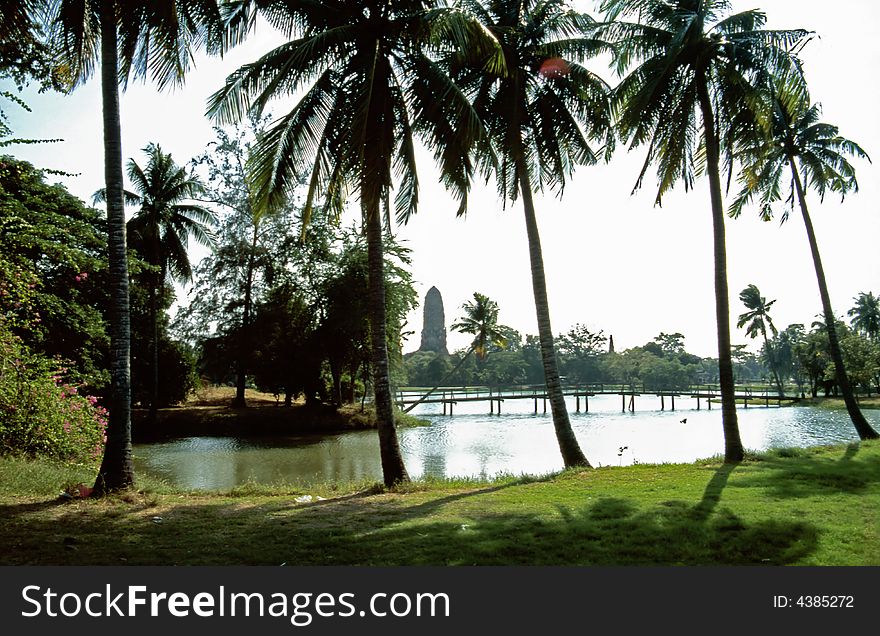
(684, 421)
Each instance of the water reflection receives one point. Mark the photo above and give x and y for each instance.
(473, 443)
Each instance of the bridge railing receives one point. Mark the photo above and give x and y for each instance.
(404, 394)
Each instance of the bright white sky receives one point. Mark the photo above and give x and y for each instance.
(613, 261)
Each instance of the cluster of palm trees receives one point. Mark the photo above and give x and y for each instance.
(756, 319)
(491, 88)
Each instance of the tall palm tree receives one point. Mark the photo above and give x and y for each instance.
(815, 155)
(866, 315)
(160, 232)
(481, 321)
(541, 113)
(758, 320)
(371, 88)
(692, 62)
(135, 38)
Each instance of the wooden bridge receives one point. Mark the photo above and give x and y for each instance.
(495, 396)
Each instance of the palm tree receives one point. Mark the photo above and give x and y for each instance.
(815, 155)
(686, 67)
(480, 320)
(160, 232)
(126, 39)
(541, 114)
(866, 315)
(758, 319)
(371, 88)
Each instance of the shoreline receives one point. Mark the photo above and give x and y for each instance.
(794, 507)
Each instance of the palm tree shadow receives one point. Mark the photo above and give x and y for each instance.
(851, 450)
(804, 476)
(712, 494)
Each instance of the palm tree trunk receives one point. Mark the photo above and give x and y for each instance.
(154, 355)
(116, 471)
(733, 448)
(393, 469)
(572, 455)
(863, 428)
(158, 279)
(244, 338)
(442, 381)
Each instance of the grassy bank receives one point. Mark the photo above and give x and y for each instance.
(872, 402)
(209, 412)
(809, 507)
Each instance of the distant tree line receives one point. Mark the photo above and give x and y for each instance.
(800, 359)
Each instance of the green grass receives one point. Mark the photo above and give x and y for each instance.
(836, 403)
(817, 506)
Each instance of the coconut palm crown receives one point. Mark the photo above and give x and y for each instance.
(692, 90)
(546, 114)
(757, 321)
(481, 321)
(371, 88)
(813, 155)
(865, 315)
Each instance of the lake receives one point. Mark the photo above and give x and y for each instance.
(473, 443)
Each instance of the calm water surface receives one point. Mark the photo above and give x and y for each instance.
(473, 443)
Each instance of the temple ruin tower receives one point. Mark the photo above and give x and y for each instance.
(434, 323)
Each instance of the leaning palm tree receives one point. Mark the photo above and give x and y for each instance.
(125, 39)
(865, 315)
(160, 231)
(542, 114)
(481, 321)
(370, 89)
(815, 155)
(757, 321)
(688, 66)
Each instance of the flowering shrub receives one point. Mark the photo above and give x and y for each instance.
(41, 414)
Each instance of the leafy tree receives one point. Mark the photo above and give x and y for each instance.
(344, 328)
(504, 368)
(245, 229)
(59, 244)
(541, 112)
(670, 344)
(757, 320)
(371, 88)
(865, 315)
(287, 357)
(247, 262)
(689, 60)
(815, 155)
(580, 351)
(124, 39)
(861, 357)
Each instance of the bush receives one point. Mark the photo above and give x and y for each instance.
(177, 373)
(40, 413)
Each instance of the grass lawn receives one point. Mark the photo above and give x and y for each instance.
(816, 506)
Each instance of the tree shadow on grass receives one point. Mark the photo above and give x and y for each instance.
(608, 531)
(791, 473)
